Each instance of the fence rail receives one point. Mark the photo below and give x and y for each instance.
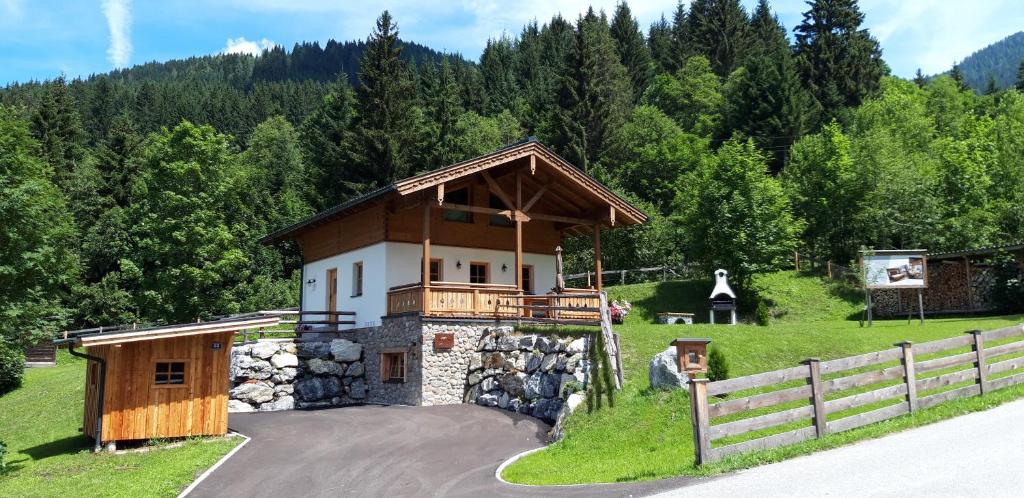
(914, 392)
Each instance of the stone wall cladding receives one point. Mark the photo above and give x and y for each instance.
(446, 370)
(395, 333)
(275, 374)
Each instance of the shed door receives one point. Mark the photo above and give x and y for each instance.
(332, 293)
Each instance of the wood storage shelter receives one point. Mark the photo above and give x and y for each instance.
(160, 382)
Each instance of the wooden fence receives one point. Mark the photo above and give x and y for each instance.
(924, 383)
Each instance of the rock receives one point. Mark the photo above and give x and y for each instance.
(513, 384)
(346, 350)
(533, 364)
(284, 389)
(487, 399)
(519, 362)
(283, 375)
(549, 385)
(567, 382)
(488, 384)
(324, 367)
(577, 346)
(532, 388)
(663, 371)
(487, 343)
(289, 347)
(263, 350)
(568, 407)
(237, 406)
(355, 370)
(494, 360)
(252, 393)
(310, 389)
(259, 370)
(313, 404)
(546, 345)
(473, 379)
(282, 403)
(548, 363)
(332, 386)
(282, 360)
(503, 401)
(313, 349)
(240, 365)
(515, 404)
(476, 362)
(507, 343)
(547, 409)
(358, 389)
(527, 342)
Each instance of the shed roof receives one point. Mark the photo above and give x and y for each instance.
(979, 251)
(629, 214)
(120, 336)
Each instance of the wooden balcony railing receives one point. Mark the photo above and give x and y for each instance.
(453, 299)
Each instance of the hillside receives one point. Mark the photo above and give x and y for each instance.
(1001, 60)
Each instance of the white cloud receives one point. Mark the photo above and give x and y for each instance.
(242, 46)
(119, 20)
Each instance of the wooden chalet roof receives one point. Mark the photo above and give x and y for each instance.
(559, 172)
(122, 335)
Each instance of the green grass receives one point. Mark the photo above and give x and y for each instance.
(50, 457)
(647, 435)
(795, 297)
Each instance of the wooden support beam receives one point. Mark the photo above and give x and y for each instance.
(519, 232)
(970, 288)
(475, 209)
(426, 246)
(533, 164)
(536, 197)
(597, 257)
(561, 219)
(440, 194)
(496, 189)
(611, 215)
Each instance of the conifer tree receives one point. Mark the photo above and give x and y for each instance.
(633, 52)
(594, 98)
(388, 122)
(718, 30)
(660, 44)
(839, 63)
(1020, 76)
(443, 110)
(58, 129)
(329, 145)
(682, 42)
(497, 66)
(958, 77)
(919, 79)
(991, 87)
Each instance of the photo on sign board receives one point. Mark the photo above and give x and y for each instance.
(895, 269)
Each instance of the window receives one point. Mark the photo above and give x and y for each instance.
(499, 220)
(458, 196)
(528, 279)
(392, 366)
(169, 373)
(357, 279)
(436, 269)
(479, 273)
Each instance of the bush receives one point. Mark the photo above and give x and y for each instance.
(1007, 290)
(12, 367)
(3, 457)
(761, 314)
(718, 366)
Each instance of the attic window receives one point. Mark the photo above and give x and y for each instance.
(169, 373)
(458, 196)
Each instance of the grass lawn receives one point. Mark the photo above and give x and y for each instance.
(647, 435)
(48, 456)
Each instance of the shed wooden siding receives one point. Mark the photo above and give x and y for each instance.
(344, 234)
(135, 408)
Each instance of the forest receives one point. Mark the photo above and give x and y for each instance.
(140, 195)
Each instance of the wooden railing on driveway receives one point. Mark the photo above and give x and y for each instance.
(923, 384)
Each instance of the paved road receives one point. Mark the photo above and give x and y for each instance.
(392, 451)
(980, 454)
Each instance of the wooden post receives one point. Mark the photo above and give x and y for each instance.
(909, 375)
(426, 258)
(979, 350)
(867, 304)
(618, 359)
(622, 277)
(796, 260)
(829, 269)
(700, 419)
(970, 287)
(519, 233)
(920, 304)
(597, 256)
(817, 397)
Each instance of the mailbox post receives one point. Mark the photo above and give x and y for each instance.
(692, 354)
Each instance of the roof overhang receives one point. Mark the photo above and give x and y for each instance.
(171, 331)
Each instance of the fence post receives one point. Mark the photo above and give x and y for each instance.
(909, 375)
(979, 351)
(796, 260)
(700, 419)
(817, 397)
(830, 269)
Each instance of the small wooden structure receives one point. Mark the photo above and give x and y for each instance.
(722, 297)
(43, 354)
(159, 382)
(692, 354)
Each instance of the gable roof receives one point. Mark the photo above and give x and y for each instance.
(627, 213)
(123, 335)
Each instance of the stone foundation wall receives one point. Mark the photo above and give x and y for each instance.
(401, 333)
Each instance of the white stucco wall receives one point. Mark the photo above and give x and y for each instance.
(389, 264)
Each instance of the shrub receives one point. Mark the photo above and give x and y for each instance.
(12, 367)
(718, 366)
(761, 314)
(1007, 290)
(3, 457)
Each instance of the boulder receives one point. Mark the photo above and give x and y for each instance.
(513, 384)
(533, 364)
(507, 343)
(488, 384)
(548, 363)
(284, 389)
(503, 401)
(547, 345)
(282, 403)
(346, 350)
(571, 362)
(487, 343)
(531, 388)
(240, 365)
(285, 374)
(494, 360)
(527, 342)
(577, 346)
(259, 370)
(519, 361)
(282, 360)
(252, 393)
(547, 409)
(355, 370)
(476, 362)
(310, 389)
(473, 379)
(324, 367)
(332, 386)
(663, 371)
(237, 406)
(358, 389)
(549, 385)
(515, 404)
(289, 347)
(565, 382)
(263, 350)
(568, 407)
(487, 399)
(313, 349)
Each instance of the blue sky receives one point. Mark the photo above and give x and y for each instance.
(41, 39)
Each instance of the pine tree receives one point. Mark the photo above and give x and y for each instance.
(718, 31)
(443, 110)
(839, 63)
(594, 99)
(682, 41)
(919, 79)
(329, 142)
(659, 43)
(497, 66)
(58, 129)
(958, 77)
(633, 52)
(991, 88)
(388, 122)
(1020, 77)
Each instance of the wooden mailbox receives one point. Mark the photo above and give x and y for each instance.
(693, 355)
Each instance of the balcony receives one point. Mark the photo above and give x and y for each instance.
(463, 300)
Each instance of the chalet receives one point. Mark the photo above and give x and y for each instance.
(416, 271)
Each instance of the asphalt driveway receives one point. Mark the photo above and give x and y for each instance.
(389, 451)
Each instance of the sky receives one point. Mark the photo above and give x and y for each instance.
(42, 39)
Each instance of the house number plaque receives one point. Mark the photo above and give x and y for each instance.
(444, 340)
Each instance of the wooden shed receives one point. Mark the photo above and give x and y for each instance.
(159, 382)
